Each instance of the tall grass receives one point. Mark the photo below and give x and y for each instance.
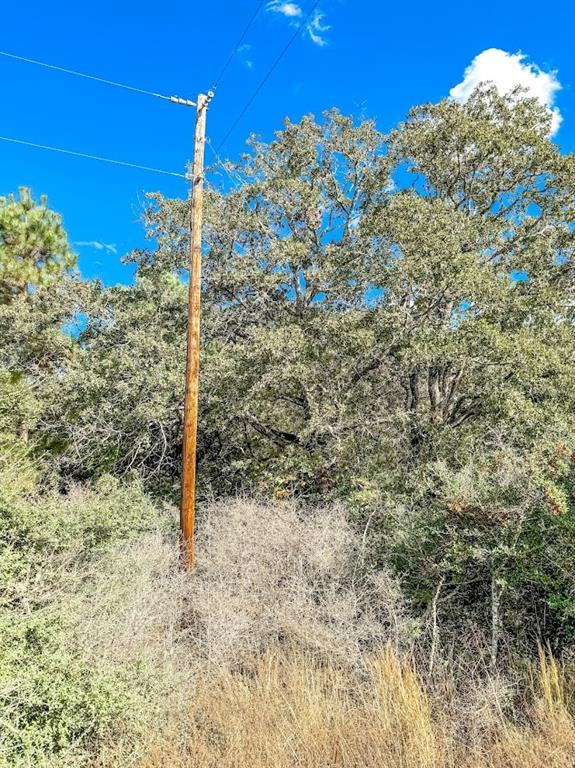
(292, 711)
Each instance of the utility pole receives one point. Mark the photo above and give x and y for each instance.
(188, 500)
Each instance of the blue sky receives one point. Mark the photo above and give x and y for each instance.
(363, 56)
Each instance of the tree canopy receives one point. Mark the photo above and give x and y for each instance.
(388, 320)
(34, 248)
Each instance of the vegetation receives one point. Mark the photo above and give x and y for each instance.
(388, 341)
(292, 711)
(274, 652)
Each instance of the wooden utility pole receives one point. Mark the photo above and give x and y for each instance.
(188, 500)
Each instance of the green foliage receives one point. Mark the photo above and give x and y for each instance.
(57, 706)
(37, 303)
(387, 319)
(34, 248)
(351, 327)
(119, 407)
(54, 523)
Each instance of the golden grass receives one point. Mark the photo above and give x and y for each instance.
(292, 711)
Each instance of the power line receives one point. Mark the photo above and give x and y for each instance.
(273, 67)
(174, 99)
(93, 157)
(237, 45)
(234, 178)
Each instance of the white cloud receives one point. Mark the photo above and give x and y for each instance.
(506, 71)
(244, 54)
(98, 246)
(291, 10)
(315, 29)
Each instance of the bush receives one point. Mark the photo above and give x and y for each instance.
(276, 573)
(279, 648)
(58, 704)
(55, 705)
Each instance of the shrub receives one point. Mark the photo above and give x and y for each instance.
(59, 705)
(276, 573)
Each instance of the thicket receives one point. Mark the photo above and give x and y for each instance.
(279, 650)
(387, 334)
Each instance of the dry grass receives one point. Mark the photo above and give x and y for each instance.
(277, 653)
(290, 711)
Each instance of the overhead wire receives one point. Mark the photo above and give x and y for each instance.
(302, 25)
(93, 157)
(234, 177)
(236, 47)
(174, 99)
(61, 150)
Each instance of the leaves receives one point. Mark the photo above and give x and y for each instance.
(387, 319)
(34, 248)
